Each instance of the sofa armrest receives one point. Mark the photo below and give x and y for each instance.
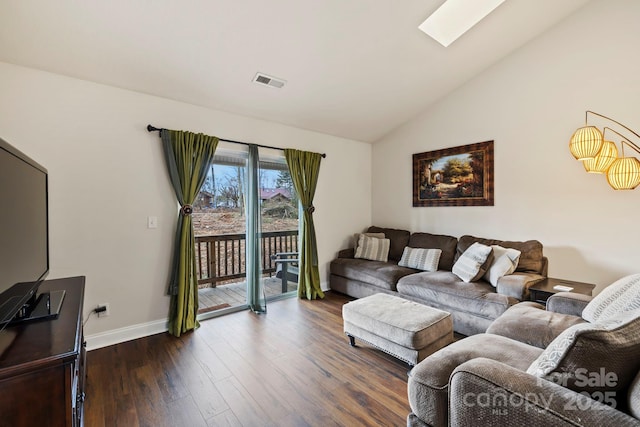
(517, 285)
(500, 395)
(568, 303)
(347, 253)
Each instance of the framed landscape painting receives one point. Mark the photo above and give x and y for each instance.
(457, 176)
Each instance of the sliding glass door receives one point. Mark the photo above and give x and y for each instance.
(246, 226)
(279, 209)
(219, 222)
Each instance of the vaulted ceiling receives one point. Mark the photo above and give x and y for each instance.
(354, 68)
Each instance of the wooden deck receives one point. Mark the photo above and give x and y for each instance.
(235, 294)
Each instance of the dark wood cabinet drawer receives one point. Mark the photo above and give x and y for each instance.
(42, 365)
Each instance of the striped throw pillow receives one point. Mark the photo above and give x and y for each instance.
(472, 263)
(372, 248)
(505, 261)
(420, 258)
(356, 237)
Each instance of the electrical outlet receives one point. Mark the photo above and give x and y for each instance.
(106, 312)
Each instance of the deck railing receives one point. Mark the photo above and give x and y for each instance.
(222, 257)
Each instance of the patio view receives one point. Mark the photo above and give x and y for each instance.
(219, 225)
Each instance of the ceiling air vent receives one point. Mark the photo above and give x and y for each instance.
(268, 80)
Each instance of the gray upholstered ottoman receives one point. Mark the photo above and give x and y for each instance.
(402, 328)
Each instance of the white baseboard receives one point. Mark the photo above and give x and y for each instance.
(127, 333)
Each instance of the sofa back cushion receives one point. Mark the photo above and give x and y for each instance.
(600, 359)
(398, 239)
(531, 257)
(447, 244)
(622, 295)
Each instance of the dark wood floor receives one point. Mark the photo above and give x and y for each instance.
(290, 367)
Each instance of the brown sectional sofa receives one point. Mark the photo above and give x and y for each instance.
(473, 306)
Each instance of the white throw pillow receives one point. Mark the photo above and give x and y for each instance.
(505, 261)
(622, 295)
(470, 266)
(420, 258)
(372, 248)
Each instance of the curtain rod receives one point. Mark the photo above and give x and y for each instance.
(151, 128)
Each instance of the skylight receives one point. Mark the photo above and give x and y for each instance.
(456, 17)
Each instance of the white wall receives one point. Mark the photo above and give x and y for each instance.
(107, 174)
(530, 104)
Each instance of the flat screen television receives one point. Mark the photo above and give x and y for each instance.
(24, 238)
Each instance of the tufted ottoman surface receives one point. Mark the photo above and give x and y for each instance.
(402, 328)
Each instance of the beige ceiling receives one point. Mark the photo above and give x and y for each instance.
(354, 68)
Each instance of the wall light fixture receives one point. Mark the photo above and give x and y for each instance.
(598, 155)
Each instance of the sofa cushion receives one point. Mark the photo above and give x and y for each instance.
(384, 275)
(398, 240)
(420, 259)
(622, 295)
(447, 244)
(601, 357)
(472, 264)
(372, 248)
(530, 323)
(505, 261)
(445, 290)
(429, 379)
(531, 258)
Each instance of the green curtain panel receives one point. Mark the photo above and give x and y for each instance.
(304, 168)
(188, 157)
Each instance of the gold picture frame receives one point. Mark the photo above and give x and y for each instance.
(457, 176)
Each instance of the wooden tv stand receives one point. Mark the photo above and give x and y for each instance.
(42, 364)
